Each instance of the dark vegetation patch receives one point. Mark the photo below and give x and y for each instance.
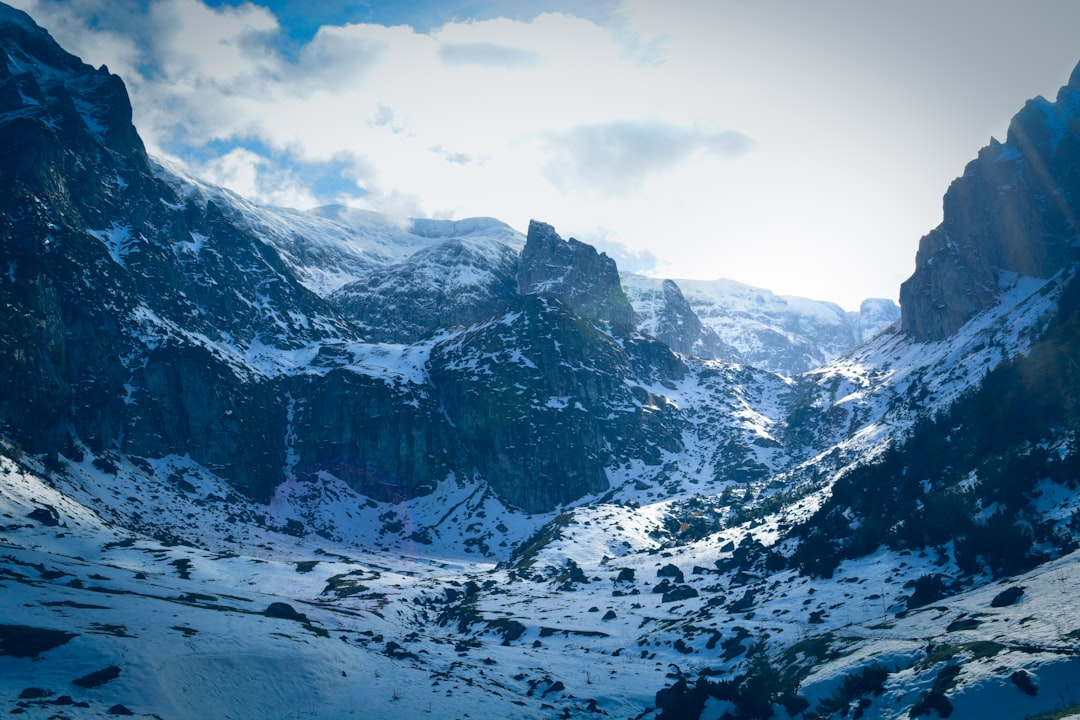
(930, 588)
(569, 576)
(24, 641)
(98, 677)
(968, 623)
(183, 568)
(46, 515)
(1022, 679)
(549, 631)
(947, 651)
(35, 699)
(853, 693)
(510, 629)
(1006, 434)
(1065, 711)
(346, 584)
(74, 605)
(934, 700)
(284, 611)
(110, 629)
(1008, 596)
(679, 593)
(753, 693)
(671, 571)
(43, 572)
(125, 543)
(35, 693)
(525, 554)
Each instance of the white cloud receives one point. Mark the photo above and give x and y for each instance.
(617, 157)
(633, 133)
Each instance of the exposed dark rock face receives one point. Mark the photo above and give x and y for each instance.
(1014, 211)
(573, 272)
(57, 329)
(544, 402)
(390, 441)
(189, 402)
(131, 315)
(145, 320)
(148, 321)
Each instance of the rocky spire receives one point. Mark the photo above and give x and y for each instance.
(574, 273)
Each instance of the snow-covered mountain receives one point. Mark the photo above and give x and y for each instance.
(262, 463)
(727, 320)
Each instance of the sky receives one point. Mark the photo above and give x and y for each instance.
(799, 147)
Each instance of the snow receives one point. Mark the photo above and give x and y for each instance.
(87, 112)
(330, 247)
(780, 333)
(115, 240)
(193, 247)
(405, 363)
(749, 300)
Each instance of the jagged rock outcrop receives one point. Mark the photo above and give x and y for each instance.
(148, 317)
(573, 272)
(61, 347)
(1013, 211)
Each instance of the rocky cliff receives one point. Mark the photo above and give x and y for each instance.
(573, 272)
(546, 402)
(547, 512)
(1012, 212)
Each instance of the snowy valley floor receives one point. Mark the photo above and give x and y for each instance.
(98, 621)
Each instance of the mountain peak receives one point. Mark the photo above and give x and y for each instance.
(32, 45)
(1074, 78)
(12, 16)
(574, 272)
(1011, 213)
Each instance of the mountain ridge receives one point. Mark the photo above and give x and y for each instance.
(728, 320)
